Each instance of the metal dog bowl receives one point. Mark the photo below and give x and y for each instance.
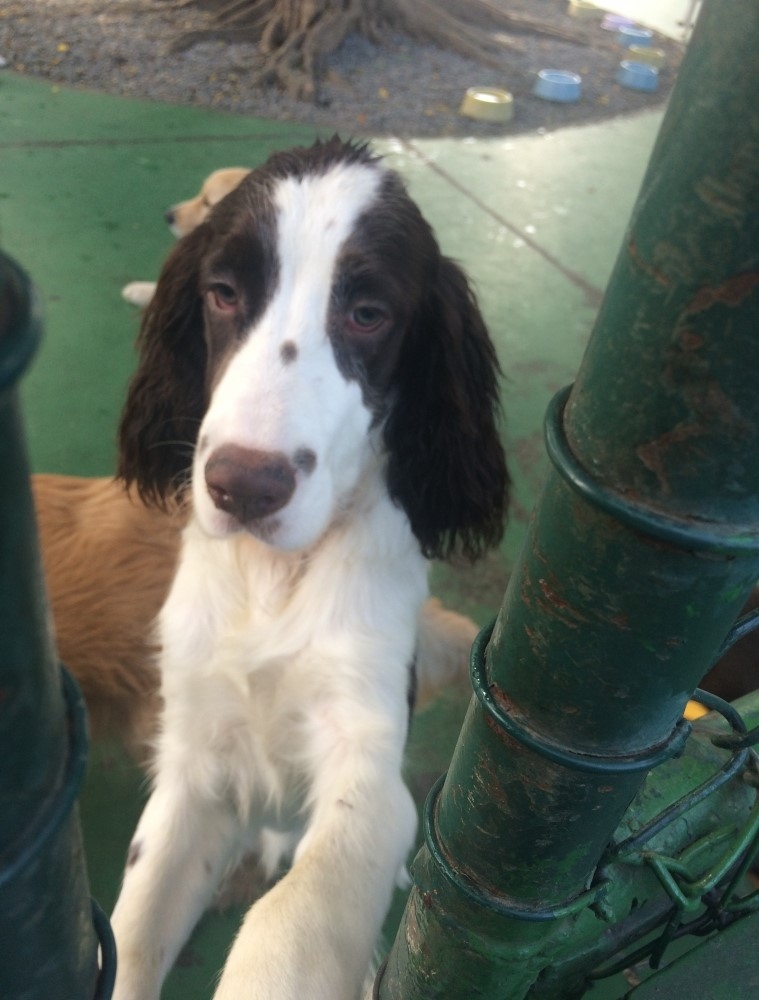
(613, 22)
(583, 9)
(558, 85)
(487, 104)
(637, 75)
(643, 54)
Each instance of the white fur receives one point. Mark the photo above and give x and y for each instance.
(138, 293)
(285, 663)
(250, 405)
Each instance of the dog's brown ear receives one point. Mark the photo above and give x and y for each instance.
(166, 397)
(446, 465)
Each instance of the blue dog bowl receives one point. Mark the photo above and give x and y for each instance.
(557, 85)
(637, 75)
(629, 35)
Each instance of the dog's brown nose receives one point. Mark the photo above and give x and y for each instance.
(249, 485)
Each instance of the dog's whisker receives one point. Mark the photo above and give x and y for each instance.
(186, 447)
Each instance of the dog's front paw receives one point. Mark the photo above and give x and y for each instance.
(138, 293)
(289, 950)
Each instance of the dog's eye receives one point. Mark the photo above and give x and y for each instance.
(223, 296)
(366, 318)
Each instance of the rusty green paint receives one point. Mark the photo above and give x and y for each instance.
(642, 549)
(49, 947)
(686, 299)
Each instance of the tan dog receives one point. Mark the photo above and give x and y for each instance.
(109, 561)
(183, 217)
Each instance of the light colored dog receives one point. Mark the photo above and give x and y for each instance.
(183, 217)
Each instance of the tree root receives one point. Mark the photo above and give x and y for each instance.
(295, 37)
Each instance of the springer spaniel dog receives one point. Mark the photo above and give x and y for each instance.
(318, 379)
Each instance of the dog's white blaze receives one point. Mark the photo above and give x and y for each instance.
(265, 404)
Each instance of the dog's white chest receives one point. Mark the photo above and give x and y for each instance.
(273, 682)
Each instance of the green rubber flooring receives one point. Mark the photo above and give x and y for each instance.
(84, 180)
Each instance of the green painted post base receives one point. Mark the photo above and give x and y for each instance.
(642, 550)
(48, 945)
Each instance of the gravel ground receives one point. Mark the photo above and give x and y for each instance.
(401, 88)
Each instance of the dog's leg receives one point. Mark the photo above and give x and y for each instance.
(189, 831)
(444, 644)
(311, 937)
(178, 855)
(138, 293)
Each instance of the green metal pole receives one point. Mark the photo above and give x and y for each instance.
(48, 946)
(643, 547)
